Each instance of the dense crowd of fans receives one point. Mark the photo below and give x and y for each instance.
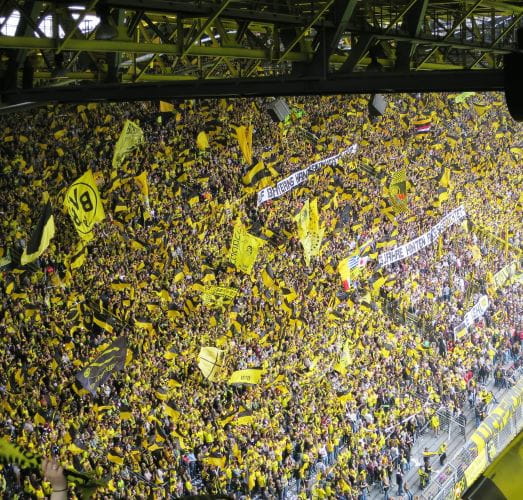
(402, 360)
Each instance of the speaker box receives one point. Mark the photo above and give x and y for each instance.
(377, 105)
(278, 110)
(513, 74)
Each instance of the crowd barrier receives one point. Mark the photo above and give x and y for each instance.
(495, 433)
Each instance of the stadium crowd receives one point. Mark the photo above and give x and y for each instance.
(361, 370)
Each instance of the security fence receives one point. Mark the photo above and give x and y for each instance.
(501, 426)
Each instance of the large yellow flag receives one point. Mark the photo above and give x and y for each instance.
(444, 177)
(309, 231)
(131, 136)
(210, 362)
(244, 248)
(202, 141)
(141, 182)
(244, 136)
(84, 205)
(303, 220)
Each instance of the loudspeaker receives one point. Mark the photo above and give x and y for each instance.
(278, 110)
(513, 73)
(377, 105)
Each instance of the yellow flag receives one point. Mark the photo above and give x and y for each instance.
(244, 136)
(481, 109)
(201, 141)
(84, 205)
(141, 182)
(251, 376)
(244, 248)
(131, 136)
(166, 107)
(210, 362)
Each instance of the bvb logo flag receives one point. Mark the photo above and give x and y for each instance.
(244, 248)
(84, 205)
(111, 360)
(210, 362)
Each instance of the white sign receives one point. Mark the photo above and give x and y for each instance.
(426, 239)
(299, 177)
(476, 312)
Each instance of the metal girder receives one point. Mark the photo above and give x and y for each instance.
(358, 83)
(412, 24)
(330, 37)
(451, 31)
(261, 37)
(305, 30)
(204, 9)
(72, 31)
(499, 38)
(215, 14)
(357, 53)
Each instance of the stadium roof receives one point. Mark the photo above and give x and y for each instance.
(142, 49)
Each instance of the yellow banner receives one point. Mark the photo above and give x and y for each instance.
(244, 248)
(218, 295)
(131, 136)
(505, 274)
(84, 205)
(250, 376)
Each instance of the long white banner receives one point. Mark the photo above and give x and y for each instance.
(478, 310)
(417, 244)
(297, 178)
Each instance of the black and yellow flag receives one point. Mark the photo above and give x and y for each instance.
(11, 453)
(116, 456)
(259, 175)
(41, 236)
(103, 320)
(84, 205)
(398, 191)
(244, 248)
(111, 360)
(126, 412)
(171, 409)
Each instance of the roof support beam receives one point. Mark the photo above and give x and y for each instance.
(412, 24)
(357, 83)
(305, 30)
(206, 25)
(452, 30)
(500, 37)
(79, 21)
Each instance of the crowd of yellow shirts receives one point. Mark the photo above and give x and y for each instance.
(339, 367)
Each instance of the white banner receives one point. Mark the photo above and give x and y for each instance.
(504, 275)
(297, 178)
(478, 310)
(417, 244)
